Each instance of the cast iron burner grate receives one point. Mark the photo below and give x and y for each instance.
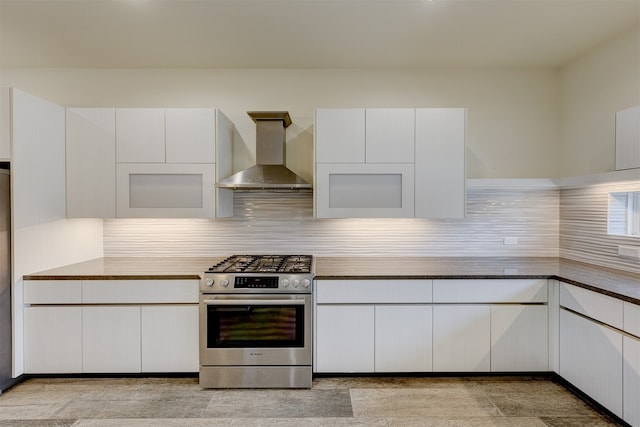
(264, 264)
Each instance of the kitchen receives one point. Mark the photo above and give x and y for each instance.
(531, 121)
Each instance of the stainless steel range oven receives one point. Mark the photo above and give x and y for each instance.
(255, 322)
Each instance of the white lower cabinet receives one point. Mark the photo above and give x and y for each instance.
(52, 340)
(631, 380)
(403, 341)
(111, 326)
(461, 338)
(373, 338)
(591, 359)
(345, 338)
(170, 338)
(431, 326)
(111, 339)
(519, 338)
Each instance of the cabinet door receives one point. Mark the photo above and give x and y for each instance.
(461, 338)
(340, 135)
(52, 340)
(5, 123)
(111, 339)
(597, 306)
(38, 163)
(344, 338)
(519, 338)
(91, 163)
(190, 135)
(628, 138)
(632, 318)
(140, 135)
(440, 163)
(631, 380)
(364, 190)
(390, 135)
(403, 338)
(591, 359)
(165, 190)
(170, 338)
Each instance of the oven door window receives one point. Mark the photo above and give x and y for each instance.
(245, 326)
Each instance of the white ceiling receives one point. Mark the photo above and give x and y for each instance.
(306, 33)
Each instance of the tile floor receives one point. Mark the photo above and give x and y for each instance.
(336, 402)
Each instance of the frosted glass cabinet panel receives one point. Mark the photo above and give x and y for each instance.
(364, 190)
(166, 190)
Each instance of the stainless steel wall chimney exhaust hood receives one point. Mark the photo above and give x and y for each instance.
(269, 172)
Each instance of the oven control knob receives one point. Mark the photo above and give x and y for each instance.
(296, 283)
(306, 283)
(224, 283)
(285, 283)
(208, 281)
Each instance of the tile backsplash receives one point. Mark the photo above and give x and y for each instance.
(276, 222)
(504, 218)
(583, 226)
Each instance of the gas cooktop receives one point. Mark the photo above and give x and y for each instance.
(259, 273)
(290, 264)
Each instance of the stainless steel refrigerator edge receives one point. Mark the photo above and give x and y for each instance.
(6, 379)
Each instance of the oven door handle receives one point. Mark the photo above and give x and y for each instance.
(227, 302)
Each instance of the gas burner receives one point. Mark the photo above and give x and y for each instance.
(264, 264)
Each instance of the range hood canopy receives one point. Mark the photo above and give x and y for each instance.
(269, 172)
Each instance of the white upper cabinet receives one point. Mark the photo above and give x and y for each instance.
(422, 151)
(190, 135)
(340, 135)
(390, 135)
(141, 162)
(628, 138)
(172, 135)
(5, 123)
(91, 163)
(38, 160)
(140, 135)
(440, 180)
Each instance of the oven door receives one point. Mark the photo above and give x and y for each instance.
(255, 329)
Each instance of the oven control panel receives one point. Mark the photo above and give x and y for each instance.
(247, 283)
(256, 282)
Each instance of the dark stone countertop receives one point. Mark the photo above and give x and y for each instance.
(616, 283)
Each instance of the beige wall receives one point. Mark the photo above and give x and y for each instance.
(522, 123)
(593, 87)
(512, 120)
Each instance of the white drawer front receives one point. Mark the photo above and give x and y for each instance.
(592, 304)
(490, 290)
(139, 291)
(373, 291)
(52, 292)
(632, 318)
